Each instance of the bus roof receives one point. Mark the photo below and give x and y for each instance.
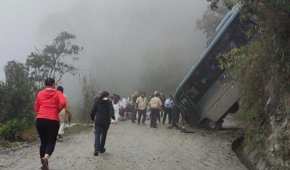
(221, 28)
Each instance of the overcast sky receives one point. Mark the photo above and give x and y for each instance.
(119, 34)
(20, 24)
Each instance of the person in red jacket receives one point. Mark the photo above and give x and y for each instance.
(48, 103)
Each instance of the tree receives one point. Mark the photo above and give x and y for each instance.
(17, 92)
(262, 68)
(214, 4)
(52, 61)
(16, 101)
(3, 101)
(89, 92)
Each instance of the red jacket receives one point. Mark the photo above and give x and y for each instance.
(48, 103)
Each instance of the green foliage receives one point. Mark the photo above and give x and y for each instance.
(230, 3)
(214, 4)
(52, 60)
(250, 66)
(247, 116)
(12, 128)
(255, 64)
(283, 5)
(254, 138)
(16, 93)
(16, 101)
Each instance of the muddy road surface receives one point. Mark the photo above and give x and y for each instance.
(134, 147)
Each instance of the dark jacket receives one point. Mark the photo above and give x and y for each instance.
(102, 112)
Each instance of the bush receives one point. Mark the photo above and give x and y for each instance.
(11, 129)
(16, 102)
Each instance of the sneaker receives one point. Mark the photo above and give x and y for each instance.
(59, 138)
(96, 153)
(44, 162)
(103, 150)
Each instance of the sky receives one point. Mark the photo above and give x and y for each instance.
(127, 43)
(20, 24)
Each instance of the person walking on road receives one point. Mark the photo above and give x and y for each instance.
(168, 109)
(48, 103)
(102, 113)
(155, 106)
(141, 108)
(64, 116)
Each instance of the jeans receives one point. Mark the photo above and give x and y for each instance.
(141, 114)
(100, 137)
(175, 118)
(155, 114)
(168, 111)
(133, 116)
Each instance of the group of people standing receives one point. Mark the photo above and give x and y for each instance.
(154, 108)
(51, 108)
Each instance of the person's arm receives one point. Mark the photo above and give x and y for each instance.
(36, 104)
(160, 104)
(136, 103)
(112, 111)
(68, 115)
(94, 111)
(61, 101)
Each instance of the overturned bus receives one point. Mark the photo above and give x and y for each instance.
(207, 94)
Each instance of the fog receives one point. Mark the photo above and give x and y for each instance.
(128, 45)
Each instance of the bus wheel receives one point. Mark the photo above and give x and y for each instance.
(219, 124)
(204, 123)
(235, 107)
(207, 123)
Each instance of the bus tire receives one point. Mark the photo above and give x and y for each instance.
(234, 108)
(219, 124)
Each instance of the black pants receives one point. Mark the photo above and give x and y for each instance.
(168, 112)
(47, 131)
(155, 114)
(100, 137)
(175, 118)
(141, 114)
(133, 116)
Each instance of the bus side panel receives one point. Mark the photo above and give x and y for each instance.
(212, 95)
(225, 99)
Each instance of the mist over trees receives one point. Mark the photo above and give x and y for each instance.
(211, 18)
(89, 92)
(121, 36)
(52, 61)
(24, 80)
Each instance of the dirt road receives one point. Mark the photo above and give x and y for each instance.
(134, 147)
